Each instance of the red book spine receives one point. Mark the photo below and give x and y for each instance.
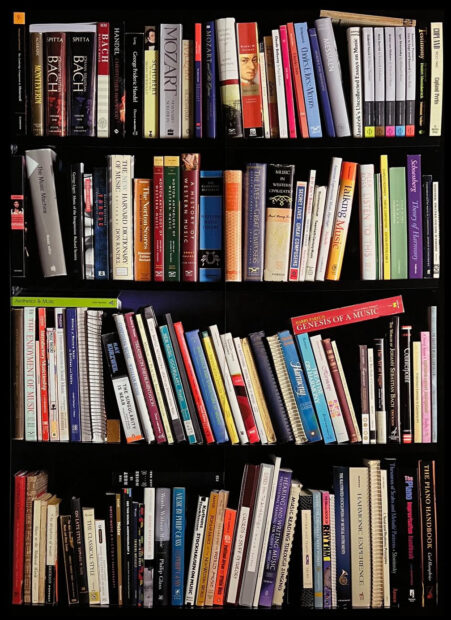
(288, 81)
(144, 378)
(43, 372)
(224, 556)
(251, 98)
(55, 84)
(103, 48)
(245, 408)
(20, 482)
(158, 220)
(297, 79)
(190, 210)
(336, 378)
(347, 315)
(195, 389)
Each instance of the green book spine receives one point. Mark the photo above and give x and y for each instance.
(65, 302)
(172, 219)
(398, 223)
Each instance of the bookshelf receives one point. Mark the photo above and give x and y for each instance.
(240, 307)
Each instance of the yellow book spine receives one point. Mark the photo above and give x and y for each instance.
(206, 550)
(151, 94)
(342, 218)
(220, 389)
(417, 417)
(385, 191)
(266, 418)
(216, 546)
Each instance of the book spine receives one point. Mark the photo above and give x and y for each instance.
(368, 82)
(321, 82)
(271, 87)
(423, 78)
(20, 66)
(206, 549)
(375, 503)
(343, 215)
(229, 83)
(158, 219)
(394, 430)
(296, 235)
(151, 85)
(37, 83)
(102, 561)
(379, 81)
(210, 226)
(386, 235)
(406, 384)
(101, 224)
(390, 82)
(20, 482)
(343, 538)
(171, 81)
(364, 394)
(287, 81)
(415, 221)
(196, 550)
(149, 545)
(319, 201)
(359, 517)
(385, 539)
(417, 392)
(435, 230)
(254, 221)
(54, 434)
(210, 80)
(251, 99)
(326, 554)
(286, 544)
(379, 383)
(29, 377)
(103, 79)
(142, 230)
(117, 93)
(82, 79)
(223, 498)
(91, 556)
(436, 73)
(225, 556)
(400, 51)
(409, 518)
(233, 184)
(297, 79)
(398, 223)
(55, 84)
(73, 375)
(426, 386)
(198, 120)
(178, 546)
(190, 163)
(18, 374)
(83, 375)
(355, 72)
(307, 224)
(162, 546)
(76, 254)
(172, 218)
(411, 56)
(428, 531)
(120, 171)
(88, 227)
(367, 221)
(68, 553)
(427, 226)
(432, 327)
(308, 80)
(134, 83)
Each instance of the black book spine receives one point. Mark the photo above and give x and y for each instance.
(406, 384)
(81, 83)
(117, 94)
(111, 538)
(69, 559)
(17, 236)
(101, 224)
(274, 400)
(76, 253)
(393, 385)
(80, 555)
(162, 547)
(428, 531)
(134, 83)
(428, 260)
(19, 68)
(50, 585)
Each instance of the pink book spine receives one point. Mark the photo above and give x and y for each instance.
(426, 386)
(288, 81)
(144, 378)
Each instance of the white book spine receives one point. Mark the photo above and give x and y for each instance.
(346, 389)
(35, 551)
(63, 404)
(280, 86)
(102, 561)
(435, 230)
(355, 71)
(307, 223)
(29, 354)
(390, 79)
(149, 523)
(307, 549)
(385, 539)
(265, 101)
(400, 50)
(51, 555)
(220, 355)
(171, 80)
(319, 202)
(333, 551)
(371, 396)
(411, 75)
(173, 411)
(332, 69)
(435, 119)
(92, 567)
(367, 222)
(196, 550)
(120, 175)
(155, 380)
(134, 377)
(52, 380)
(329, 217)
(379, 80)
(127, 409)
(417, 410)
(38, 390)
(269, 512)
(250, 389)
(329, 389)
(368, 80)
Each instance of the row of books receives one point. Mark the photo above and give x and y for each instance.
(200, 386)
(98, 79)
(370, 541)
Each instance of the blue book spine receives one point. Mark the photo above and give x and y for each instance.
(316, 387)
(210, 80)
(198, 80)
(177, 382)
(178, 546)
(254, 221)
(211, 258)
(101, 218)
(275, 538)
(299, 385)
(308, 80)
(206, 386)
(72, 374)
(296, 238)
(342, 536)
(317, 549)
(321, 82)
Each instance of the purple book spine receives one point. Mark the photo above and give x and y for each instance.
(415, 216)
(275, 538)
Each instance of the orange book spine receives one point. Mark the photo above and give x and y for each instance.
(342, 218)
(143, 229)
(224, 556)
(233, 184)
(297, 79)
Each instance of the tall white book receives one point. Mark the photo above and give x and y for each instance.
(171, 80)
(367, 222)
(120, 175)
(359, 515)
